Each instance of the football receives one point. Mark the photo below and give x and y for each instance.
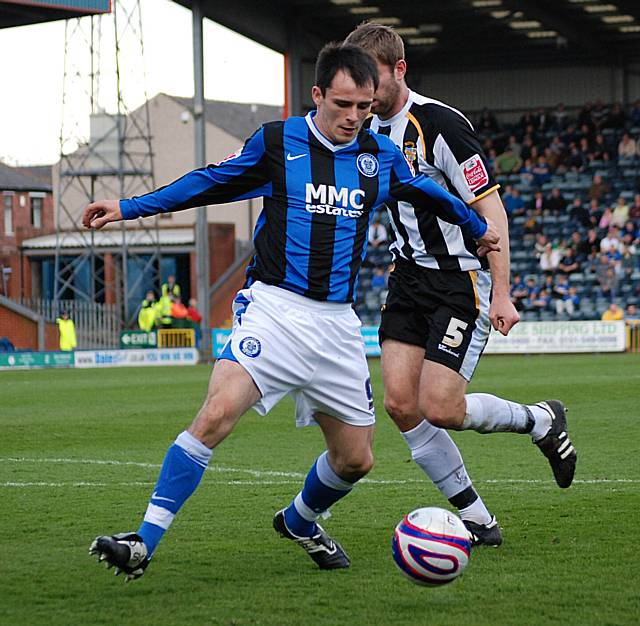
(431, 546)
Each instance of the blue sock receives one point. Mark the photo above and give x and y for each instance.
(322, 488)
(181, 472)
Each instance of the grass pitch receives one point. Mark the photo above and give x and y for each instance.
(80, 452)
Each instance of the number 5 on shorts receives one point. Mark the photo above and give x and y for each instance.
(453, 337)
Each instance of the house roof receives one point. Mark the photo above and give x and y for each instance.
(237, 118)
(36, 178)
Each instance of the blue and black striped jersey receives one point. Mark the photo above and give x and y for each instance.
(311, 235)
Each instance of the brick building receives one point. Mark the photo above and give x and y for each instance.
(27, 212)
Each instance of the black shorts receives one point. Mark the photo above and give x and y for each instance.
(444, 312)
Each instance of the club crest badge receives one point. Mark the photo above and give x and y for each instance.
(251, 347)
(410, 151)
(368, 165)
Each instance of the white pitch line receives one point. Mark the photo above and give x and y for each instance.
(269, 473)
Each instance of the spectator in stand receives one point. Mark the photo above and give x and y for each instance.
(559, 150)
(569, 263)
(542, 301)
(542, 120)
(595, 212)
(634, 209)
(632, 314)
(171, 288)
(147, 316)
(616, 118)
(606, 276)
(194, 317)
(630, 235)
(540, 245)
(508, 162)
(519, 292)
(569, 302)
(514, 204)
(593, 241)
(555, 203)
(526, 147)
(541, 171)
(579, 246)
(600, 151)
(613, 313)
(537, 202)
(584, 116)
(576, 161)
(579, 213)
(620, 212)
(487, 124)
(526, 173)
(599, 114)
(606, 218)
(627, 147)
(163, 310)
(512, 143)
(549, 259)
(559, 117)
(67, 330)
(634, 114)
(378, 235)
(611, 242)
(599, 188)
(527, 122)
(628, 263)
(379, 278)
(178, 313)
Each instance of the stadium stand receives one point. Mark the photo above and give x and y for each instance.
(592, 161)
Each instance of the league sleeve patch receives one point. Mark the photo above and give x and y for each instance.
(475, 173)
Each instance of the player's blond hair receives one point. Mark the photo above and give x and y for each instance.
(380, 41)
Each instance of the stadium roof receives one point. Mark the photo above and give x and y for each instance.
(452, 35)
(24, 12)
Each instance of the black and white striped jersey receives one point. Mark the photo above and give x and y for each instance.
(440, 142)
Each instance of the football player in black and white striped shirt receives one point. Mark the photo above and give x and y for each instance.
(444, 296)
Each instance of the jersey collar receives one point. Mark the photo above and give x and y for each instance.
(334, 147)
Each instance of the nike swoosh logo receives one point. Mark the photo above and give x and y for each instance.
(291, 157)
(154, 496)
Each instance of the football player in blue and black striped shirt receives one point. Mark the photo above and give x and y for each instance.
(295, 332)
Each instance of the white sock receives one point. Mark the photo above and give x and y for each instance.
(489, 414)
(439, 458)
(476, 512)
(542, 421)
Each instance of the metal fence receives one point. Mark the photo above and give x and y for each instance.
(97, 325)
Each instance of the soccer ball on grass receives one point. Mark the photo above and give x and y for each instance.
(431, 546)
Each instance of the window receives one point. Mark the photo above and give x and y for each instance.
(8, 215)
(36, 212)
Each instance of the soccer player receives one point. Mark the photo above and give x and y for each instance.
(442, 299)
(321, 177)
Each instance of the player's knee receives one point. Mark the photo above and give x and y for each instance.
(443, 412)
(403, 412)
(354, 466)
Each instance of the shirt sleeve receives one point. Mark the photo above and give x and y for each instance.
(458, 154)
(424, 194)
(241, 175)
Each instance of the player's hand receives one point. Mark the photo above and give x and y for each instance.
(489, 241)
(503, 314)
(97, 214)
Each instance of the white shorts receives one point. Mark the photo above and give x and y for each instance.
(312, 350)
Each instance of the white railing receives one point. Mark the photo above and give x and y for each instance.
(97, 325)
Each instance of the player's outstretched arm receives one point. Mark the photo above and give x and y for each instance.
(100, 213)
(502, 313)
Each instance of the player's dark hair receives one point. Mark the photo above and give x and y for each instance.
(350, 59)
